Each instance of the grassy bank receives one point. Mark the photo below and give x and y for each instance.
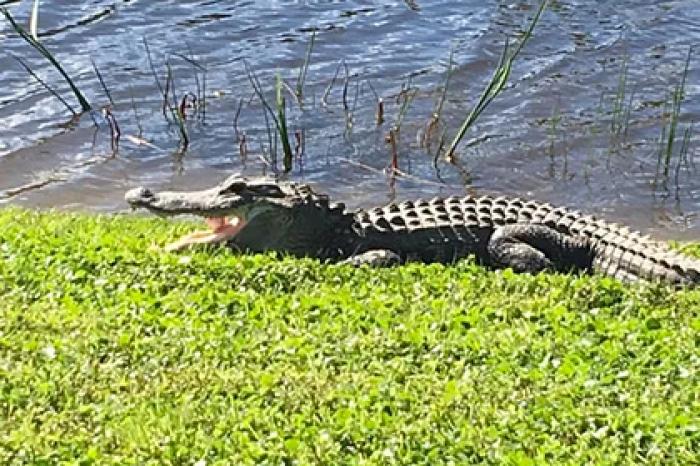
(110, 354)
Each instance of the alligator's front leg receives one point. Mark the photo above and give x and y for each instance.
(533, 248)
(374, 258)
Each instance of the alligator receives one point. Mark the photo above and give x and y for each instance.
(259, 214)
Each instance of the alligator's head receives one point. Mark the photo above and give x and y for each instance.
(236, 196)
(256, 214)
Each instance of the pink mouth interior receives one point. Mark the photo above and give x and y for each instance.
(221, 230)
(222, 226)
(216, 223)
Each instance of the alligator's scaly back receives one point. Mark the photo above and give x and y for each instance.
(608, 248)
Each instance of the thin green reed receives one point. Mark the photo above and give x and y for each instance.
(38, 46)
(495, 85)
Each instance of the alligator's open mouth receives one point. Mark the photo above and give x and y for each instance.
(222, 214)
(221, 230)
(228, 208)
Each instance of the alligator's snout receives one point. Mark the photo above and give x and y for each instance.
(138, 195)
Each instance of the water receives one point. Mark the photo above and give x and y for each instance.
(548, 136)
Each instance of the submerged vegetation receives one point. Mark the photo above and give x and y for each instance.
(174, 108)
(286, 122)
(111, 354)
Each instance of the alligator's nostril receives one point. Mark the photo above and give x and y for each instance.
(138, 194)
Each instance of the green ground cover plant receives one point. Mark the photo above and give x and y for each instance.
(114, 354)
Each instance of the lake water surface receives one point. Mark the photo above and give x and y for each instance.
(572, 127)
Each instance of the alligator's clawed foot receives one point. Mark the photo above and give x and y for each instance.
(374, 258)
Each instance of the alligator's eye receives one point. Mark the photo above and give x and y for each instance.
(139, 196)
(268, 190)
(233, 187)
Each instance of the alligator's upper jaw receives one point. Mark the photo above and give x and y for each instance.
(223, 214)
(205, 203)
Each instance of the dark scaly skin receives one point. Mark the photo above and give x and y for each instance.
(498, 231)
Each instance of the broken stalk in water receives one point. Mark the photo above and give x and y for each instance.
(200, 86)
(379, 113)
(243, 147)
(114, 130)
(175, 110)
(391, 139)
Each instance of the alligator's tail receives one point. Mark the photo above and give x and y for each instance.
(629, 256)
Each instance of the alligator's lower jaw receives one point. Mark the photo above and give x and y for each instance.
(220, 231)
